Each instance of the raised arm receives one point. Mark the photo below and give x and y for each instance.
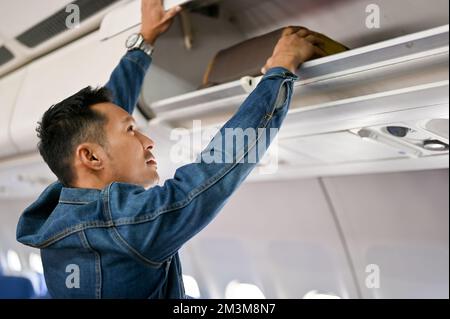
(153, 224)
(127, 78)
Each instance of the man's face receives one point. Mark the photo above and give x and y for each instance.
(129, 158)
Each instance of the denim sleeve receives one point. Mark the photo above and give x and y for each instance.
(153, 224)
(126, 79)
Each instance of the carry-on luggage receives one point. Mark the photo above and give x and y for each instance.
(247, 58)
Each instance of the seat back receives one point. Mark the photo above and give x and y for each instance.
(12, 287)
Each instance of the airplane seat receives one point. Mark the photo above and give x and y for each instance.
(39, 285)
(12, 287)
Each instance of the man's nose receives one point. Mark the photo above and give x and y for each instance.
(147, 142)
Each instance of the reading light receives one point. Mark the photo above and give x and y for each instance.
(435, 145)
(401, 146)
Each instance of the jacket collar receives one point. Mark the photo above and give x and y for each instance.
(78, 195)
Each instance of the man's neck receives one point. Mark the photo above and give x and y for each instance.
(90, 183)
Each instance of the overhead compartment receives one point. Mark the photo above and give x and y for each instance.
(410, 66)
(177, 68)
(337, 99)
(402, 80)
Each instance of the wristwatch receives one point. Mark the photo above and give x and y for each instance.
(136, 42)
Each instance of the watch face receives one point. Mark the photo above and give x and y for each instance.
(131, 41)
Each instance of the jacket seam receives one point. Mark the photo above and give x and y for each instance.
(70, 231)
(98, 269)
(73, 202)
(118, 238)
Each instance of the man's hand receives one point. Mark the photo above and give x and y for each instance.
(294, 48)
(155, 20)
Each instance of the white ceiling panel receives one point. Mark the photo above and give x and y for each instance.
(19, 15)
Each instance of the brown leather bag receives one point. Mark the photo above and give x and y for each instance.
(248, 57)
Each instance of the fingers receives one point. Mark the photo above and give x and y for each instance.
(319, 52)
(296, 45)
(302, 33)
(314, 40)
(171, 13)
(264, 70)
(288, 31)
(317, 44)
(265, 67)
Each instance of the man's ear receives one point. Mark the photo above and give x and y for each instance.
(91, 156)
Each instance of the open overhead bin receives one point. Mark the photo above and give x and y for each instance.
(402, 80)
(408, 67)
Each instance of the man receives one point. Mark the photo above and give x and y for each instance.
(103, 231)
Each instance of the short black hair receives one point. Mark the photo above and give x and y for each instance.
(66, 125)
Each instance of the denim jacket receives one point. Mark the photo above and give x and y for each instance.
(123, 241)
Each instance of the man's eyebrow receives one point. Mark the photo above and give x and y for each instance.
(128, 119)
